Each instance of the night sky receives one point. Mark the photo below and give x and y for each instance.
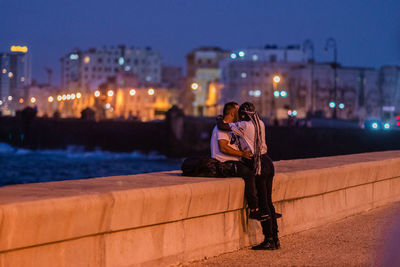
(367, 31)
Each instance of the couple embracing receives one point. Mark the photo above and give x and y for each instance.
(238, 140)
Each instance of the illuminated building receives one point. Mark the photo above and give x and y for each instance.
(15, 74)
(88, 69)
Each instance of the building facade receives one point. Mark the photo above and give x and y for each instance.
(90, 68)
(15, 75)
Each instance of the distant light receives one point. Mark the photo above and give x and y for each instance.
(68, 97)
(150, 91)
(148, 78)
(289, 112)
(86, 59)
(276, 93)
(397, 117)
(241, 53)
(110, 93)
(251, 93)
(1, 102)
(73, 56)
(59, 98)
(294, 112)
(121, 61)
(195, 86)
(10, 98)
(341, 106)
(283, 93)
(97, 93)
(4, 71)
(72, 96)
(277, 79)
(17, 48)
(257, 93)
(33, 100)
(78, 95)
(255, 57)
(386, 126)
(22, 79)
(375, 125)
(244, 75)
(64, 97)
(107, 106)
(21, 100)
(398, 123)
(10, 75)
(127, 68)
(332, 104)
(50, 99)
(132, 92)
(233, 56)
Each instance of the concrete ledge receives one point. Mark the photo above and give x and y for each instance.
(164, 218)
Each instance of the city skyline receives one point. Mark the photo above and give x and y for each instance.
(367, 34)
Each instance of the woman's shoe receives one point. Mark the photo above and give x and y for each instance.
(267, 244)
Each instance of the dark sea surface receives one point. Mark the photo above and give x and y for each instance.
(21, 166)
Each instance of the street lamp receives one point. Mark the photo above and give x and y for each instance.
(194, 86)
(331, 43)
(277, 79)
(308, 44)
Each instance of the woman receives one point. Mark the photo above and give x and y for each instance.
(251, 131)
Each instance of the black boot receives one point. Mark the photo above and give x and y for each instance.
(267, 244)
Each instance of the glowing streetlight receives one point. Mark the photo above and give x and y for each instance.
(241, 53)
(276, 94)
(21, 100)
(375, 125)
(132, 92)
(341, 106)
(332, 104)
(386, 126)
(68, 97)
(64, 97)
(33, 100)
(10, 98)
(276, 79)
(4, 71)
(50, 99)
(78, 95)
(283, 94)
(73, 96)
(195, 86)
(150, 91)
(107, 106)
(97, 93)
(233, 56)
(59, 98)
(110, 93)
(10, 75)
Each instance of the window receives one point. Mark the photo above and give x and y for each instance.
(99, 60)
(136, 62)
(272, 58)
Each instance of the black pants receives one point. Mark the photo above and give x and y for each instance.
(264, 192)
(239, 169)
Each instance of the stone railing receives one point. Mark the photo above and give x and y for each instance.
(166, 219)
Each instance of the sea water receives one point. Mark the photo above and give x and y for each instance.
(20, 166)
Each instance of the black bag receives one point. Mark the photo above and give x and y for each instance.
(206, 167)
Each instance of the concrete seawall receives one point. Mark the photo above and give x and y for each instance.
(166, 219)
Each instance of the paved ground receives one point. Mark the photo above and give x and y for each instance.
(368, 239)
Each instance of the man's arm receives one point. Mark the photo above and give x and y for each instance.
(226, 149)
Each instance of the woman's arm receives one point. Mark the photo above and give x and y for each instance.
(223, 126)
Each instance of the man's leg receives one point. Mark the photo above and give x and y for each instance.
(249, 184)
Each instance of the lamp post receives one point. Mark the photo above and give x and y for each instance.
(331, 43)
(308, 44)
(275, 81)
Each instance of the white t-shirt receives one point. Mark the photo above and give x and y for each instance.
(222, 135)
(246, 130)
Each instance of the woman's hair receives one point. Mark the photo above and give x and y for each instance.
(247, 112)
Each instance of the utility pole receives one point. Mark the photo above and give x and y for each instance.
(308, 44)
(331, 43)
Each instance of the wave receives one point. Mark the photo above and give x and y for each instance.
(76, 152)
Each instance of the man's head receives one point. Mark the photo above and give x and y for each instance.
(230, 112)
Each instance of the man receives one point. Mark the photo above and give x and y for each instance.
(252, 134)
(224, 148)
